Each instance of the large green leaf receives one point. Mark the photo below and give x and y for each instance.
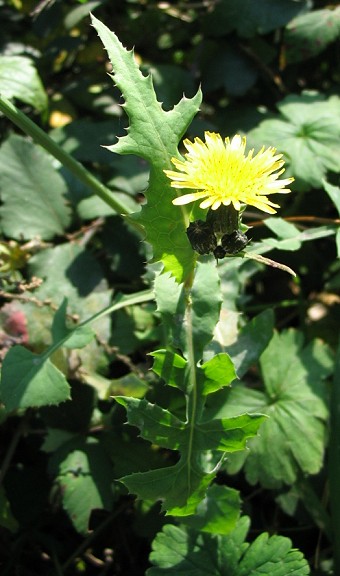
(32, 192)
(295, 399)
(29, 380)
(310, 33)
(214, 374)
(178, 551)
(307, 132)
(161, 427)
(19, 79)
(182, 487)
(154, 135)
(189, 314)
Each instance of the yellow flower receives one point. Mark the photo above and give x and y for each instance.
(221, 173)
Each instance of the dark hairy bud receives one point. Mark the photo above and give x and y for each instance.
(234, 243)
(224, 220)
(201, 237)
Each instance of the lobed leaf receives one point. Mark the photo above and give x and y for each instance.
(180, 551)
(181, 487)
(293, 439)
(153, 134)
(170, 367)
(226, 434)
(155, 423)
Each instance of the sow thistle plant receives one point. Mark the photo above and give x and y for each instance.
(224, 179)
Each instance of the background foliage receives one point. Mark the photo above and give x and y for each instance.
(269, 70)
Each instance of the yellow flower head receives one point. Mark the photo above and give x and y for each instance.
(221, 173)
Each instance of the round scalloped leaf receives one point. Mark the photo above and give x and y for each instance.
(178, 552)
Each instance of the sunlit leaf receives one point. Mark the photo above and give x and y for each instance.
(155, 423)
(181, 487)
(170, 367)
(218, 512)
(154, 135)
(219, 371)
(178, 552)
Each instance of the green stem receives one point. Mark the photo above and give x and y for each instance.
(40, 137)
(194, 403)
(334, 463)
(191, 398)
